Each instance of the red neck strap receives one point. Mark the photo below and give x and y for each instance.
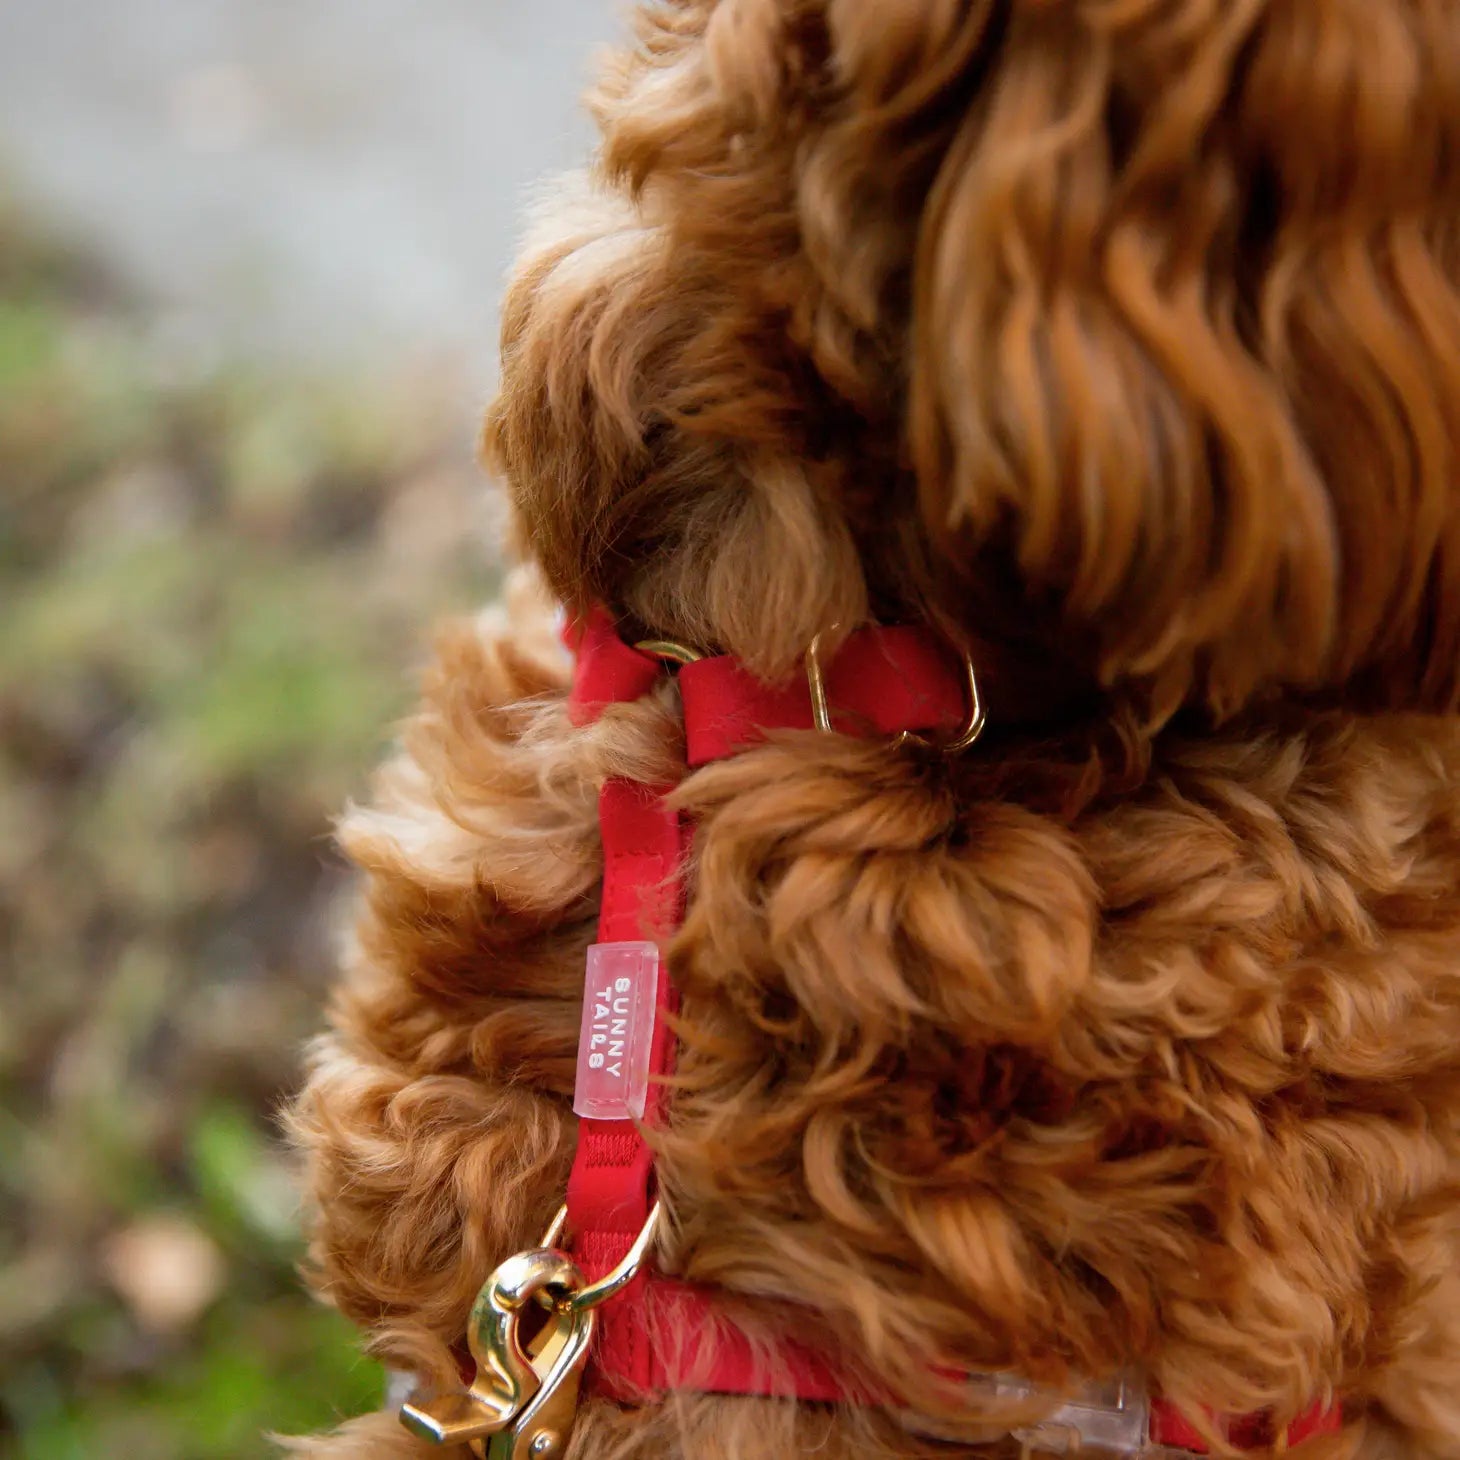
(661, 1334)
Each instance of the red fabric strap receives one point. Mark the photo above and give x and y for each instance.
(688, 1343)
(642, 852)
(608, 671)
(662, 1334)
(882, 680)
(610, 1187)
(611, 1183)
(1169, 1426)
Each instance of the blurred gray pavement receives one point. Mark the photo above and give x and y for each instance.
(337, 180)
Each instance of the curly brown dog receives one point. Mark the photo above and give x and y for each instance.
(1118, 343)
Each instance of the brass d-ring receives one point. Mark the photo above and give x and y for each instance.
(669, 651)
(622, 1275)
(590, 1295)
(973, 724)
(816, 685)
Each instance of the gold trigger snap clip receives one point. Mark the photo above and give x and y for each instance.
(521, 1403)
(523, 1399)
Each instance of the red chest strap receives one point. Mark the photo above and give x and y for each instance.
(611, 1183)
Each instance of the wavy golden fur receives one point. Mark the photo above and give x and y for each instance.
(1120, 339)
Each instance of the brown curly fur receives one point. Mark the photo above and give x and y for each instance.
(1121, 339)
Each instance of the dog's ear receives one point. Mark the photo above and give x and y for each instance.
(652, 452)
(1185, 349)
(1126, 336)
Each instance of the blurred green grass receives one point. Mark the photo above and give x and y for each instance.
(212, 587)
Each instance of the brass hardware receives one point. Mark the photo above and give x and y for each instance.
(616, 1281)
(540, 1429)
(521, 1403)
(669, 651)
(554, 1233)
(973, 723)
(971, 729)
(521, 1400)
(816, 684)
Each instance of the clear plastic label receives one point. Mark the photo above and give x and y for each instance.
(1113, 1417)
(619, 1006)
(1106, 1419)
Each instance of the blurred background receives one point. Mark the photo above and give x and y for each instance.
(250, 253)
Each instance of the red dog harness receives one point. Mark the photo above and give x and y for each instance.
(659, 1333)
(887, 680)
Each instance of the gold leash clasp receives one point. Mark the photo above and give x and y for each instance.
(522, 1401)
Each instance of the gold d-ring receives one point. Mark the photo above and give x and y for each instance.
(668, 651)
(816, 686)
(968, 732)
(590, 1295)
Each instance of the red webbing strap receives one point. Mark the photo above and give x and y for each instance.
(691, 1345)
(881, 681)
(610, 1185)
(1170, 1427)
(607, 671)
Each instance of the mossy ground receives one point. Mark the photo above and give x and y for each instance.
(212, 591)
